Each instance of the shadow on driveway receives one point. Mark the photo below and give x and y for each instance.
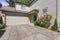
(2, 32)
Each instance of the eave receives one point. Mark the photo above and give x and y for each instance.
(11, 9)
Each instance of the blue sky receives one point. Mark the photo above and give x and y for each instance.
(3, 2)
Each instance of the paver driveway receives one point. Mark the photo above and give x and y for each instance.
(28, 32)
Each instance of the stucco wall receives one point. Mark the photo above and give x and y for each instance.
(42, 4)
(59, 13)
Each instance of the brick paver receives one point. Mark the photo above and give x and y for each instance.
(28, 32)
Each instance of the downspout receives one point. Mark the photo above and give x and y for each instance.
(56, 9)
(57, 13)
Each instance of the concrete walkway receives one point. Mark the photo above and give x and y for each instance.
(27, 32)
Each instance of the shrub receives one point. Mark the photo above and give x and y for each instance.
(1, 26)
(48, 17)
(0, 19)
(36, 23)
(44, 21)
(55, 26)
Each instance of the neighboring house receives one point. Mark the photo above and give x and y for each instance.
(49, 5)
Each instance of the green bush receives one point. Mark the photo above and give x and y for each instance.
(55, 26)
(1, 26)
(0, 19)
(36, 23)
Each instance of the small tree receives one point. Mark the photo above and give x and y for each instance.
(0, 5)
(11, 3)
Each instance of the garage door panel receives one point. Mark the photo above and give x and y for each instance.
(16, 20)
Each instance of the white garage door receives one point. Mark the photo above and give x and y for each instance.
(16, 20)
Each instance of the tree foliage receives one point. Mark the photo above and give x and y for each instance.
(0, 5)
(11, 3)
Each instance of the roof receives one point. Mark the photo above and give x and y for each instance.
(34, 11)
(26, 2)
(12, 9)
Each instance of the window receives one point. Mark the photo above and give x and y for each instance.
(23, 7)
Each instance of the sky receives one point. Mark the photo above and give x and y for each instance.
(4, 3)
